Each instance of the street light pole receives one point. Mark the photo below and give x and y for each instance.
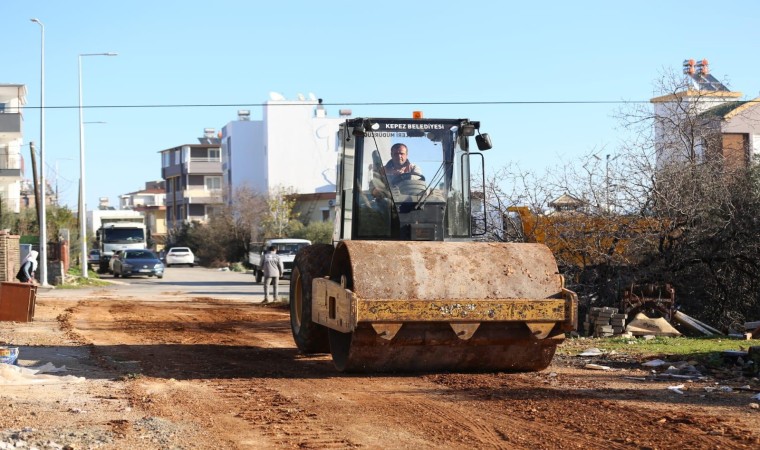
(82, 209)
(43, 195)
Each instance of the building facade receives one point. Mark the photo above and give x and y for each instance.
(12, 100)
(192, 174)
(293, 147)
(706, 120)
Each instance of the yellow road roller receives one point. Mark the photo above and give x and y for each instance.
(408, 284)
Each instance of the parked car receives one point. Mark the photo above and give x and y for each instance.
(93, 259)
(179, 255)
(137, 262)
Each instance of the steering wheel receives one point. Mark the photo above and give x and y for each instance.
(407, 177)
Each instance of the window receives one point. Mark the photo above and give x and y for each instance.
(213, 183)
(214, 154)
(166, 159)
(325, 215)
(177, 157)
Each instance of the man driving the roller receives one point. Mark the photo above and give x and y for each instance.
(399, 163)
(398, 167)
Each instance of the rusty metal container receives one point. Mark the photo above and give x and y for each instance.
(17, 301)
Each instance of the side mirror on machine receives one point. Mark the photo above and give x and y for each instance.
(483, 141)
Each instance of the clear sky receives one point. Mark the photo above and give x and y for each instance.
(353, 55)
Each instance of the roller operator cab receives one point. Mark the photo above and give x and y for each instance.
(405, 287)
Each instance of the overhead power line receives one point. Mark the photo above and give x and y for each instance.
(239, 105)
(296, 103)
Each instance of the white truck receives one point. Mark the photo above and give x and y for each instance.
(286, 249)
(119, 233)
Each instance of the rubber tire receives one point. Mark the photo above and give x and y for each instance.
(313, 261)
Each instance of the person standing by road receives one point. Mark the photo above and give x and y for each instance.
(273, 269)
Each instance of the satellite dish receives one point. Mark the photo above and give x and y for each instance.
(276, 96)
(312, 97)
(301, 97)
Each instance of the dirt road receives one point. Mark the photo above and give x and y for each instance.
(175, 372)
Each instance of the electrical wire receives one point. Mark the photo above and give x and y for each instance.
(486, 103)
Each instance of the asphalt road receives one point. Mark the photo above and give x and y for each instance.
(186, 281)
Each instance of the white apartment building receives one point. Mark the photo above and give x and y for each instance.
(293, 146)
(12, 100)
(154, 194)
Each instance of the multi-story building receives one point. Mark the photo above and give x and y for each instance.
(293, 147)
(706, 120)
(151, 202)
(193, 177)
(12, 100)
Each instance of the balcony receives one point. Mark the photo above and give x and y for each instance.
(10, 165)
(10, 126)
(195, 196)
(204, 166)
(174, 170)
(203, 196)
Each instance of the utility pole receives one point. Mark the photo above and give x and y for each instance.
(34, 181)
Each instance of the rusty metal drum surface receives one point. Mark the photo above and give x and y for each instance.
(450, 270)
(444, 270)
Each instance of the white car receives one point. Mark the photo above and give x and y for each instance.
(179, 255)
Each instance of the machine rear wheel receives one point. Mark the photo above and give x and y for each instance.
(311, 262)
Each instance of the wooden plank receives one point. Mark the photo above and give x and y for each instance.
(690, 323)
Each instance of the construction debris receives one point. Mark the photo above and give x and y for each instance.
(597, 367)
(642, 325)
(753, 329)
(695, 325)
(658, 299)
(654, 363)
(605, 322)
(591, 352)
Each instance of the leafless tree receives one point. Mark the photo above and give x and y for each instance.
(664, 206)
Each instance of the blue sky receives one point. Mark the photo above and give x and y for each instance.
(236, 52)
